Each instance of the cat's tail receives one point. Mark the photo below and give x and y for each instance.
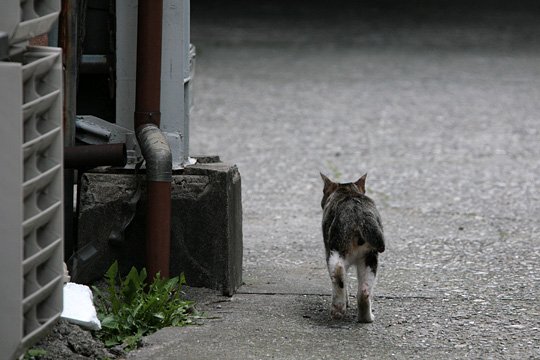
(372, 232)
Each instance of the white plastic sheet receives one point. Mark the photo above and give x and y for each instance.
(79, 306)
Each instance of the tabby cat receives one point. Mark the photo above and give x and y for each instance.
(353, 235)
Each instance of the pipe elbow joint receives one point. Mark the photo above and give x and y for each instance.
(156, 151)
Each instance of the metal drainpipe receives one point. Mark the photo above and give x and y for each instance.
(153, 143)
(91, 156)
(69, 42)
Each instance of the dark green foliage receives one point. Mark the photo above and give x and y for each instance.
(130, 309)
(34, 354)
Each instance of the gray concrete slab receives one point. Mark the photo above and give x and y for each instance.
(252, 326)
(442, 109)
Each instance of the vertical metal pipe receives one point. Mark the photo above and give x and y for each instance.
(68, 41)
(157, 154)
(158, 225)
(172, 79)
(153, 144)
(148, 86)
(187, 75)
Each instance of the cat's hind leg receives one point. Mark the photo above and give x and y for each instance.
(337, 269)
(366, 270)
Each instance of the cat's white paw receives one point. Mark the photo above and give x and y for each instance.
(364, 308)
(337, 311)
(366, 317)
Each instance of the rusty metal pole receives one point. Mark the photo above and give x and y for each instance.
(157, 154)
(148, 87)
(158, 240)
(147, 111)
(91, 156)
(68, 41)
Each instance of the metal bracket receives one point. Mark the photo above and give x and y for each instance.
(93, 131)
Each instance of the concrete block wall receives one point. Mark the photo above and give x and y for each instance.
(206, 231)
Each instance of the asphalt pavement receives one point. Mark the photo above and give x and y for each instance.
(441, 107)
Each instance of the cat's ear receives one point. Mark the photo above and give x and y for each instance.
(329, 185)
(361, 184)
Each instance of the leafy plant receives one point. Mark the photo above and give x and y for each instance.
(34, 354)
(130, 309)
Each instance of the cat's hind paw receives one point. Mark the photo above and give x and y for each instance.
(366, 318)
(364, 310)
(337, 311)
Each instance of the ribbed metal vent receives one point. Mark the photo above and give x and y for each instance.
(42, 189)
(31, 157)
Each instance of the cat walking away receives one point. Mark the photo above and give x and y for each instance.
(353, 235)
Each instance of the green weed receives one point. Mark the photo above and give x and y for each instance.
(130, 309)
(34, 354)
